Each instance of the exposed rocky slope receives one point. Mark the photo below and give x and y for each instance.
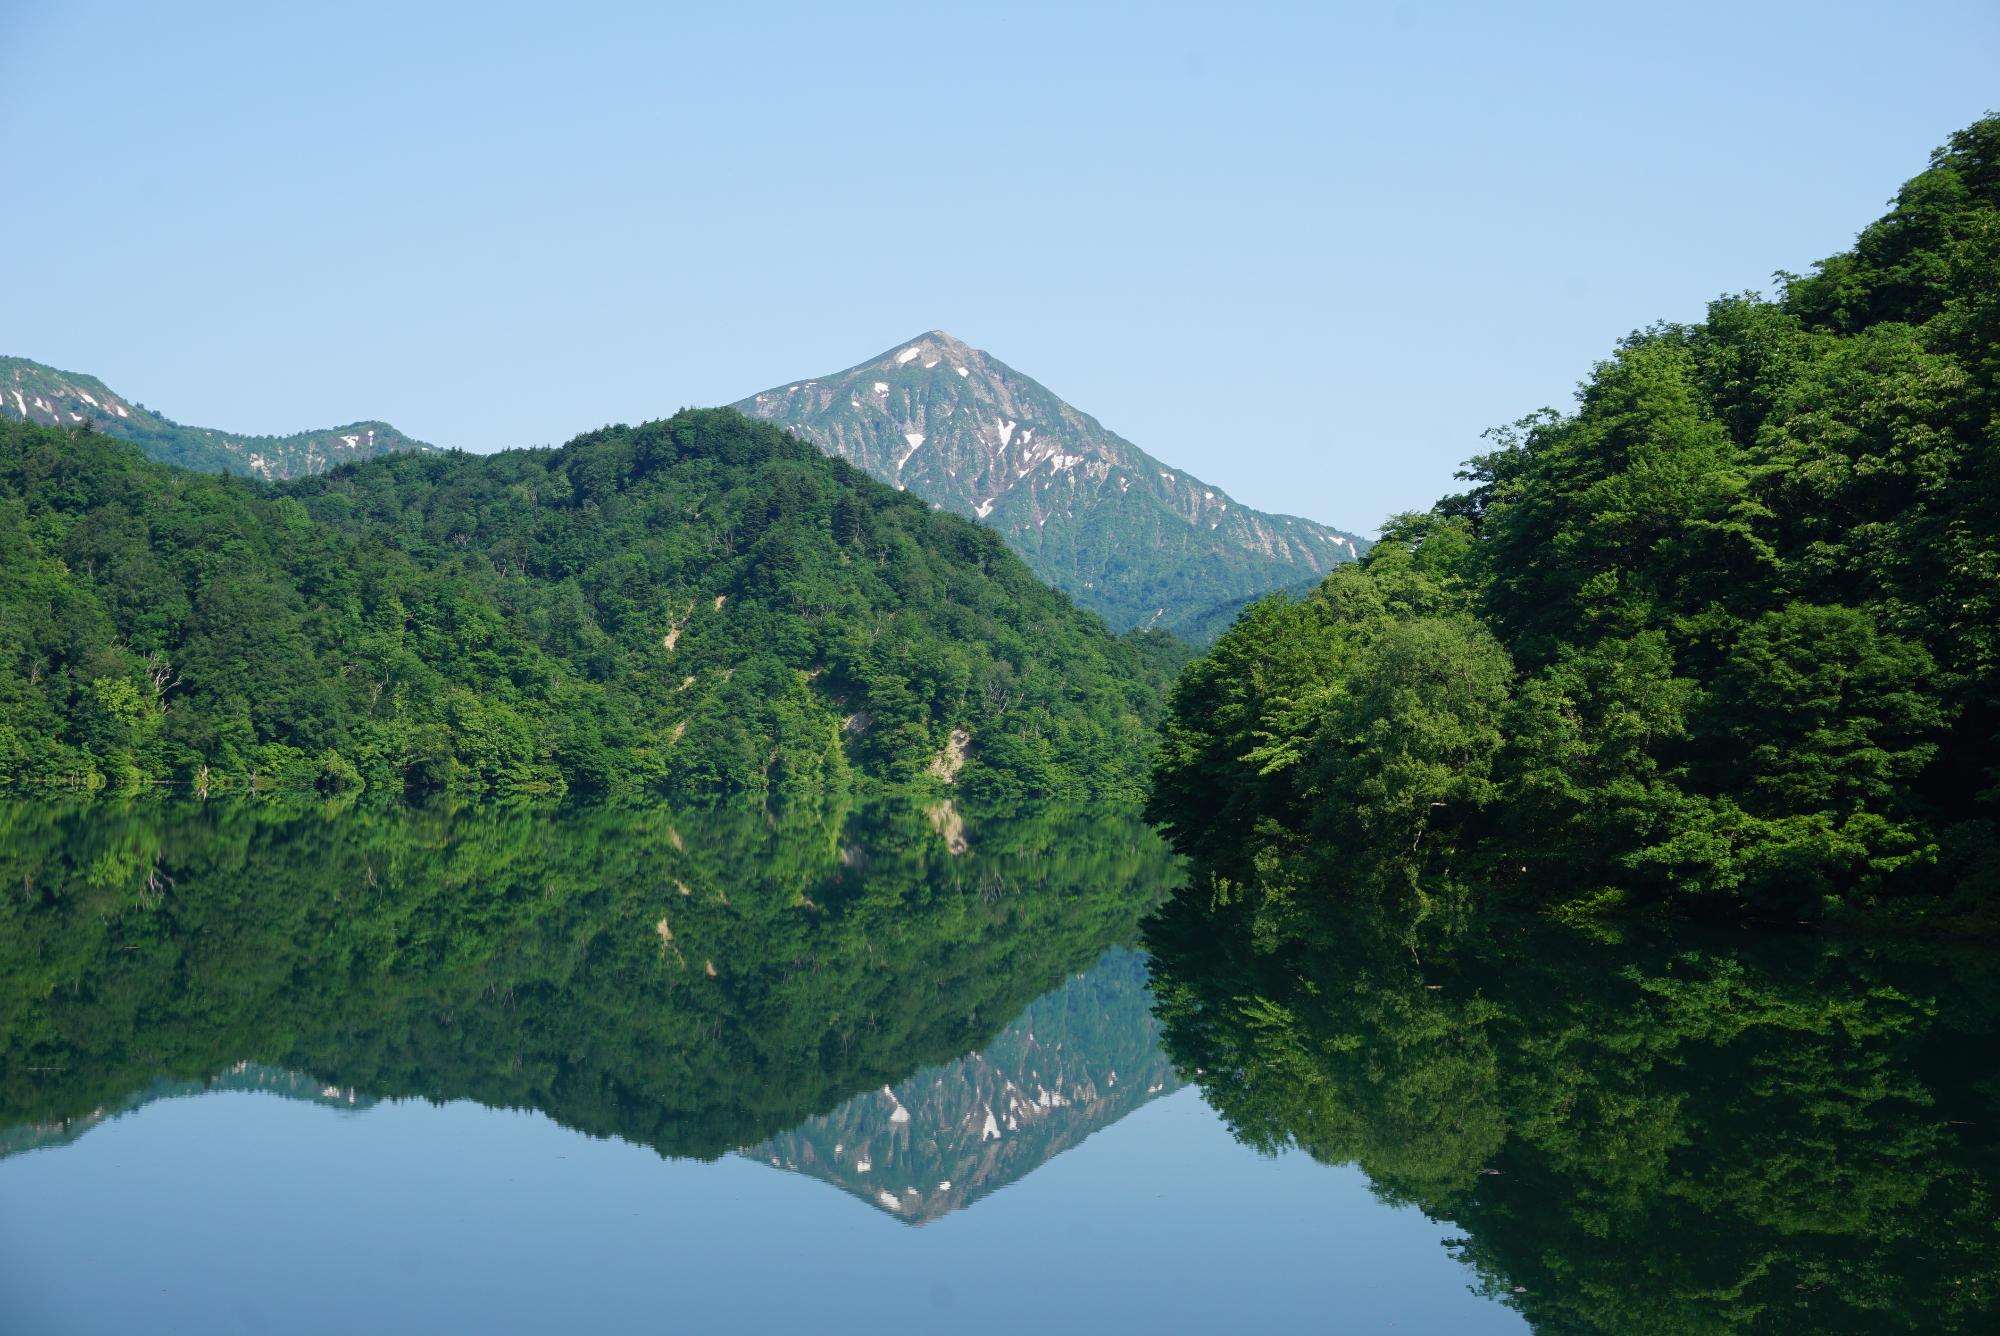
(41, 394)
(1125, 535)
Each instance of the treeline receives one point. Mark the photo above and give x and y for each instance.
(699, 605)
(1725, 636)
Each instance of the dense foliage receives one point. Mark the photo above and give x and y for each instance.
(690, 606)
(691, 981)
(1699, 1131)
(1726, 635)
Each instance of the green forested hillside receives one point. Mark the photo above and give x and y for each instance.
(695, 605)
(1728, 634)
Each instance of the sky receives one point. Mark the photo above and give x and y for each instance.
(1306, 252)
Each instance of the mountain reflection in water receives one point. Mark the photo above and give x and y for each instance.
(839, 988)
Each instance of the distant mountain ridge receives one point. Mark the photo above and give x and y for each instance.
(1135, 540)
(32, 392)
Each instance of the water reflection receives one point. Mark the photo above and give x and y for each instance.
(1662, 1131)
(1075, 1061)
(695, 982)
(1649, 1132)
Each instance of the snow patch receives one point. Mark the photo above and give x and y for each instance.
(984, 508)
(1006, 430)
(928, 365)
(881, 387)
(87, 399)
(907, 355)
(990, 1132)
(20, 403)
(961, 371)
(352, 441)
(889, 1201)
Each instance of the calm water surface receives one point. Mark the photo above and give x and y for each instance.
(532, 1070)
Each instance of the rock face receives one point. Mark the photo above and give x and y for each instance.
(1137, 541)
(52, 398)
(1076, 1061)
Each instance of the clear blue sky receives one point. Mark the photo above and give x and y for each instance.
(1307, 252)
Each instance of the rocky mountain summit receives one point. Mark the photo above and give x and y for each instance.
(1139, 542)
(32, 392)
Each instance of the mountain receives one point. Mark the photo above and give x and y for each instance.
(1075, 1062)
(1136, 541)
(698, 606)
(31, 392)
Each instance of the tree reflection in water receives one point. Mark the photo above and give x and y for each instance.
(1641, 1131)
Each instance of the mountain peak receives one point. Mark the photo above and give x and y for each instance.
(929, 350)
(1139, 542)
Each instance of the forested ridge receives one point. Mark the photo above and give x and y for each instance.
(1725, 636)
(698, 605)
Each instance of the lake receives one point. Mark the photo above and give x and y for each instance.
(522, 1069)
